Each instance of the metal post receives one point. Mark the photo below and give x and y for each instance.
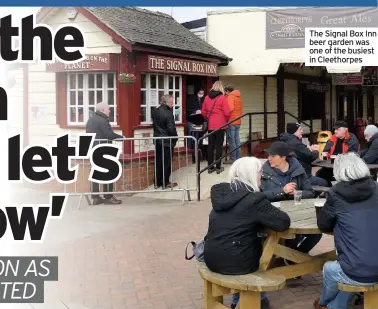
(250, 135)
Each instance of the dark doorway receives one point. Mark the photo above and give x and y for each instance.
(350, 106)
(195, 83)
(370, 106)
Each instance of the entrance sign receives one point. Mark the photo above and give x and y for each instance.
(181, 66)
(286, 28)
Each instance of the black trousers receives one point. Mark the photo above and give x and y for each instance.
(95, 187)
(306, 245)
(163, 164)
(327, 174)
(215, 141)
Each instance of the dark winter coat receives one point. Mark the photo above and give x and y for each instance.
(304, 155)
(351, 212)
(163, 123)
(349, 144)
(193, 104)
(370, 155)
(99, 124)
(273, 181)
(232, 246)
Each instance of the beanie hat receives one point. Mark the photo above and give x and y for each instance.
(292, 127)
(370, 130)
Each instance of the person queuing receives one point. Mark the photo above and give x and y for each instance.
(233, 132)
(304, 154)
(351, 213)
(341, 142)
(163, 123)
(216, 110)
(99, 124)
(240, 211)
(193, 106)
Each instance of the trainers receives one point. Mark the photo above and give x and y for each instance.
(98, 201)
(265, 304)
(220, 170)
(233, 306)
(317, 306)
(112, 201)
(211, 170)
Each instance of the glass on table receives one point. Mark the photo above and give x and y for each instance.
(297, 197)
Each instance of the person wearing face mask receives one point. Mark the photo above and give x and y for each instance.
(193, 106)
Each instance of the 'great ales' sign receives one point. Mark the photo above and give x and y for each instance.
(182, 66)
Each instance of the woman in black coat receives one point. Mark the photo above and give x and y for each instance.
(239, 212)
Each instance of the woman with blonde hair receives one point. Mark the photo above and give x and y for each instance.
(216, 110)
(239, 212)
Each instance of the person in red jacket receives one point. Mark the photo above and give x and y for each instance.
(216, 110)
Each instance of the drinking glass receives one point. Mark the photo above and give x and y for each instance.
(297, 197)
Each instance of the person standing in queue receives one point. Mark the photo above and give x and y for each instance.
(163, 123)
(217, 112)
(193, 106)
(100, 125)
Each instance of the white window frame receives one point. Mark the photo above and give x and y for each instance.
(86, 104)
(166, 90)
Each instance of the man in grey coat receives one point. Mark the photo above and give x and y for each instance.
(370, 155)
(99, 124)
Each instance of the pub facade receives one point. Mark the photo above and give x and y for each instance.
(134, 56)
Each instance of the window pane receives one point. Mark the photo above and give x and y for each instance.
(110, 80)
(99, 96)
(80, 98)
(80, 81)
(91, 112)
(111, 97)
(91, 98)
(143, 78)
(72, 81)
(177, 82)
(143, 115)
(161, 93)
(80, 114)
(154, 100)
(171, 93)
(153, 81)
(91, 83)
(72, 97)
(99, 81)
(111, 115)
(177, 113)
(72, 115)
(170, 83)
(143, 99)
(177, 98)
(161, 81)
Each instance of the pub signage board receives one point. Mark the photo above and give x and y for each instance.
(181, 66)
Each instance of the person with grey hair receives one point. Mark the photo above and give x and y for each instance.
(100, 125)
(163, 123)
(351, 213)
(240, 211)
(370, 155)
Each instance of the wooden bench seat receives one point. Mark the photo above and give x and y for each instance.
(370, 293)
(249, 286)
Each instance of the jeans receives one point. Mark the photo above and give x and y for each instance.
(331, 296)
(233, 141)
(317, 181)
(236, 297)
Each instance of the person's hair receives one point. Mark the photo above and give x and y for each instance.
(218, 86)
(228, 88)
(350, 166)
(164, 99)
(245, 171)
(100, 106)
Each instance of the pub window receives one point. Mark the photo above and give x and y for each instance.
(153, 87)
(85, 90)
(312, 105)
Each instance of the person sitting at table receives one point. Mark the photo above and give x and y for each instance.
(240, 210)
(282, 176)
(351, 213)
(304, 154)
(370, 155)
(341, 142)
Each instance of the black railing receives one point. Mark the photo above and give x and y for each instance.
(248, 142)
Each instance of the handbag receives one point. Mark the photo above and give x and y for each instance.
(198, 250)
(205, 125)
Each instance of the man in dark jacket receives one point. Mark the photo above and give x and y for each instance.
(193, 106)
(305, 155)
(99, 124)
(351, 213)
(163, 123)
(370, 155)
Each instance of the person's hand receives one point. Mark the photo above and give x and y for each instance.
(290, 188)
(315, 147)
(198, 111)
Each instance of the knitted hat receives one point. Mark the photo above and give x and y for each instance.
(370, 130)
(292, 127)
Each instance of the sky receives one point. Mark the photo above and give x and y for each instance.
(181, 14)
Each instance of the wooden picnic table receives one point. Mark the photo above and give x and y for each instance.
(328, 164)
(303, 221)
